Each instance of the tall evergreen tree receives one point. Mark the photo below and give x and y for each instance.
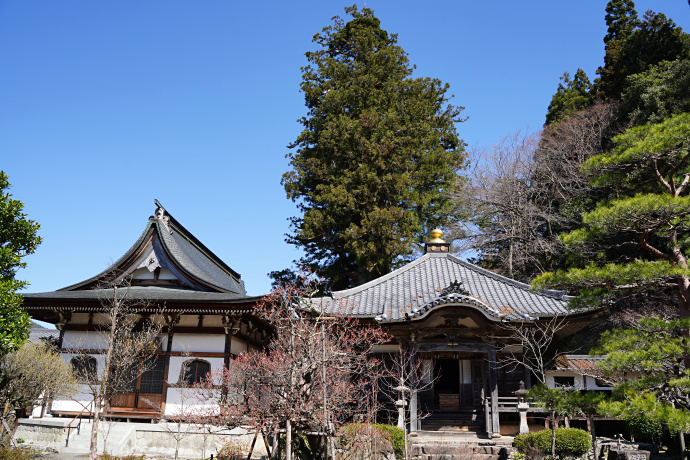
(637, 240)
(660, 92)
(655, 39)
(571, 96)
(621, 19)
(18, 238)
(379, 152)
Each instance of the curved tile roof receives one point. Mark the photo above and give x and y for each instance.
(419, 286)
(177, 250)
(140, 293)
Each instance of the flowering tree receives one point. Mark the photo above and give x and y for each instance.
(308, 378)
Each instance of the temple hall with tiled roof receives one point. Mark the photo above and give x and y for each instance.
(446, 314)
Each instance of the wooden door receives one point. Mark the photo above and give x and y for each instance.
(150, 391)
(145, 390)
(126, 397)
(477, 381)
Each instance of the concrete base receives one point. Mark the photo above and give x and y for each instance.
(122, 438)
(629, 455)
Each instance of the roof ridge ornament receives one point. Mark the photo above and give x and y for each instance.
(436, 244)
(455, 288)
(160, 215)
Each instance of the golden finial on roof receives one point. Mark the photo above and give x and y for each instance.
(436, 235)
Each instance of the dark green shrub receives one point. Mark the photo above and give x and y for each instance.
(645, 429)
(397, 438)
(570, 442)
(393, 434)
(15, 453)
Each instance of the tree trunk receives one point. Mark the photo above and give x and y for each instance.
(251, 448)
(101, 398)
(594, 437)
(553, 435)
(684, 295)
(93, 447)
(683, 454)
(288, 440)
(177, 438)
(269, 449)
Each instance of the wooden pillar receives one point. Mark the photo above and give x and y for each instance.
(170, 321)
(226, 349)
(493, 387)
(414, 409)
(231, 325)
(65, 317)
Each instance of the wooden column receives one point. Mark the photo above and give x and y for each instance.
(226, 349)
(170, 321)
(231, 325)
(414, 422)
(65, 317)
(493, 387)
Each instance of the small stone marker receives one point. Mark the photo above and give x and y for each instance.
(629, 455)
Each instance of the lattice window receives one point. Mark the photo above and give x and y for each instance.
(84, 367)
(194, 371)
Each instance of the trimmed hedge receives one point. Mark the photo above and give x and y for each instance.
(570, 442)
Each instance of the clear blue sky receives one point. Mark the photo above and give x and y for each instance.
(106, 105)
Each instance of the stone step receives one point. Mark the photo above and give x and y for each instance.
(455, 438)
(460, 452)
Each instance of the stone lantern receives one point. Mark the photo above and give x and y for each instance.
(401, 403)
(522, 407)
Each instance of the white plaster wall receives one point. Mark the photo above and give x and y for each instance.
(175, 367)
(70, 405)
(145, 274)
(214, 343)
(90, 340)
(213, 321)
(179, 401)
(237, 346)
(100, 361)
(579, 379)
(592, 384)
(164, 343)
(79, 402)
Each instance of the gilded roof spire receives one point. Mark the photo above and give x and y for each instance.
(436, 245)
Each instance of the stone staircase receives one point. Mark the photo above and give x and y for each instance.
(116, 437)
(468, 420)
(447, 445)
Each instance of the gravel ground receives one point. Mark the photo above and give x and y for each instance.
(62, 456)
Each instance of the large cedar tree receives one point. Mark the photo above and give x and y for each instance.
(379, 152)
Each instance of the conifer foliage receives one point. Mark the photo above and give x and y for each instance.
(18, 238)
(379, 152)
(650, 216)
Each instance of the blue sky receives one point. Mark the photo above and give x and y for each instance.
(106, 105)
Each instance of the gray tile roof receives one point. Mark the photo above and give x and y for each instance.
(198, 260)
(418, 287)
(36, 334)
(177, 250)
(140, 293)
